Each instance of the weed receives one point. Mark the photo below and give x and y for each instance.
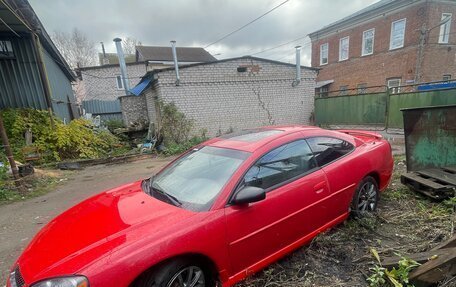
(396, 277)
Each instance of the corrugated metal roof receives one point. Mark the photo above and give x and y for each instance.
(184, 54)
(139, 88)
(20, 15)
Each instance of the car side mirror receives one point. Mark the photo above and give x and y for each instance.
(248, 195)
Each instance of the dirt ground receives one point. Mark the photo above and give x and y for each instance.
(405, 222)
(21, 220)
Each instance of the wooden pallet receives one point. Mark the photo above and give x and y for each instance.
(437, 264)
(436, 183)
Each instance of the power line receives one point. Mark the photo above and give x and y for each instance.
(254, 20)
(305, 44)
(278, 46)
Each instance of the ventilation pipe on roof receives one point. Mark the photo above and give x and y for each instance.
(123, 66)
(298, 67)
(176, 66)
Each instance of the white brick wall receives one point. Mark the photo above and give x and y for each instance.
(219, 98)
(100, 83)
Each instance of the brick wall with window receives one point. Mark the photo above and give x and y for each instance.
(385, 46)
(105, 83)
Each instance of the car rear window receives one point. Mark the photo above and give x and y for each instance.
(327, 149)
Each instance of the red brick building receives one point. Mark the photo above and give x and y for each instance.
(392, 42)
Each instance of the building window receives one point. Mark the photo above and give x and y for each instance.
(394, 85)
(445, 28)
(343, 90)
(119, 82)
(344, 44)
(397, 34)
(324, 54)
(324, 91)
(368, 42)
(6, 49)
(446, 77)
(362, 88)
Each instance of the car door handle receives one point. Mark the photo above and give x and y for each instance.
(320, 187)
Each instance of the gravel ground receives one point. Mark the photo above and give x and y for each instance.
(20, 221)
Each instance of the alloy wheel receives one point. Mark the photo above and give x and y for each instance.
(191, 276)
(367, 197)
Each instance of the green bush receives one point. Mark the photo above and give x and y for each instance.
(175, 127)
(113, 124)
(75, 140)
(174, 148)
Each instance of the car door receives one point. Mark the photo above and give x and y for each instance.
(293, 186)
(331, 155)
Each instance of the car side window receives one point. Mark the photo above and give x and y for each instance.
(328, 149)
(281, 164)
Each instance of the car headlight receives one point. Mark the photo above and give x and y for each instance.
(74, 281)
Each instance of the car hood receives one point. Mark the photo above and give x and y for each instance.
(93, 228)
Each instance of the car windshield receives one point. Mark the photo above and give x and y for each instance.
(194, 181)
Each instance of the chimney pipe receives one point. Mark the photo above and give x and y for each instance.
(298, 67)
(123, 66)
(176, 66)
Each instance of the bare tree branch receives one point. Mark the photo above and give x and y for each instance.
(76, 48)
(129, 45)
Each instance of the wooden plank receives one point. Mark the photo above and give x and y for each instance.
(450, 168)
(440, 175)
(446, 244)
(423, 181)
(421, 257)
(433, 271)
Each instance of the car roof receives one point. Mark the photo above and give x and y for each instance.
(252, 139)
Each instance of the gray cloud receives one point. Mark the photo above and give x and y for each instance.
(199, 22)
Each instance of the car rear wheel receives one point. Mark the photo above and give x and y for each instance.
(366, 197)
(177, 273)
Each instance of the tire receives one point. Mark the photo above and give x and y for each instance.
(175, 274)
(366, 197)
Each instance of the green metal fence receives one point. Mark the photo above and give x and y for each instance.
(364, 109)
(416, 100)
(376, 109)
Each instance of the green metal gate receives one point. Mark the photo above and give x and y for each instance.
(376, 109)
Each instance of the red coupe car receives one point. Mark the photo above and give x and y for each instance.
(218, 213)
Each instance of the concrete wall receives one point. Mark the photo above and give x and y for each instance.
(134, 110)
(218, 98)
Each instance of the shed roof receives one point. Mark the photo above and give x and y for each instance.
(184, 54)
(232, 59)
(148, 78)
(18, 17)
(113, 59)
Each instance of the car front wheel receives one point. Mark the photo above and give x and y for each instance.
(177, 273)
(366, 197)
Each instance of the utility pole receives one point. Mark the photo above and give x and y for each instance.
(43, 75)
(419, 60)
(424, 32)
(9, 155)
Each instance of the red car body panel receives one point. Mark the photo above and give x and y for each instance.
(115, 236)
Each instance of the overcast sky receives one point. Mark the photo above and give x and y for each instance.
(199, 22)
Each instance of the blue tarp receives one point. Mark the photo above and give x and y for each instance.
(139, 88)
(437, 86)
